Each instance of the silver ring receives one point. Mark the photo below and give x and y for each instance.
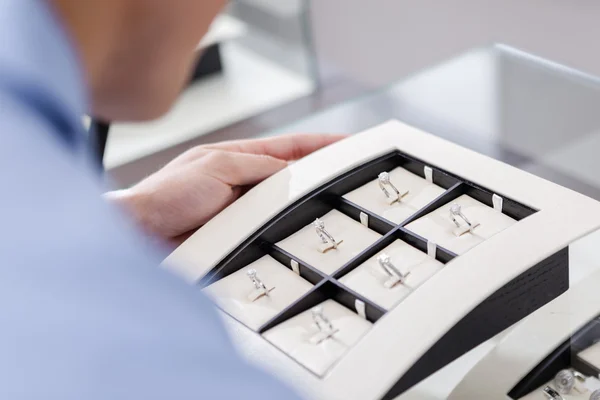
(580, 377)
(564, 381)
(595, 395)
(384, 180)
(552, 394)
(258, 284)
(386, 263)
(322, 322)
(323, 234)
(456, 211)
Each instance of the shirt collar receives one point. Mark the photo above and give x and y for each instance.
(37, 54)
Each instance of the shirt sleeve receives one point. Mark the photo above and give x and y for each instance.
(86, 313)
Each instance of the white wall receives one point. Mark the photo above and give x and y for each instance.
(377, 41)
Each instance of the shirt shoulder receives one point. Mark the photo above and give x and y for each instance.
(86, 311)
(91, 315)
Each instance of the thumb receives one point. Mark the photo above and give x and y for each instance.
(241, 169)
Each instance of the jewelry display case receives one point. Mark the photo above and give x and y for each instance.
(554, 354)
(376, 261)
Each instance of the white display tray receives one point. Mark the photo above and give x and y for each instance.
(524, 228)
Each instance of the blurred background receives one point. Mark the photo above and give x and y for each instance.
(512, 79)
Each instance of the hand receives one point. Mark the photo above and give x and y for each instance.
(198, 184)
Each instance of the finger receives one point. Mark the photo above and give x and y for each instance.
(236, 193)
(240, 169)
(285, 147)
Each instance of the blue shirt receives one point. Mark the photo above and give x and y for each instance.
(85, 311)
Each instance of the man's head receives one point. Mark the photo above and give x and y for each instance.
(138, 54)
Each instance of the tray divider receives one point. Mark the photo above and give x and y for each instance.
(446, 197)
(352, 210)
(442, 255)
(310, 299)
(307, 271)
(510, 207)
(364, 255)
(348, 297)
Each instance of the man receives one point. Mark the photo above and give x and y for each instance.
(85, 311)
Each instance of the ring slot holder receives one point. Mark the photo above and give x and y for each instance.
(415, 193)
(364, 219)
(431, 249)
(352, 238)
(428, 326)
(237, 295)
(439, 227)
(260, 293)
(370, 279)
(295, 266)
(428, 171)
(360, 307)
(317, 351)
(498, 202)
